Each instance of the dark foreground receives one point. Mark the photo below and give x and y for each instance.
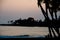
(27, 36)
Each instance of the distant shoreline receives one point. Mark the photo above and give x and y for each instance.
(22, 25)
(25, 25)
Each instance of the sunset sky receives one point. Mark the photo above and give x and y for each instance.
(15, 9)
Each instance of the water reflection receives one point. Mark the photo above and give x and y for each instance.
(15, 30)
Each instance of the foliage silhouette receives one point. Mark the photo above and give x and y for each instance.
(53, 6)
(28, 22)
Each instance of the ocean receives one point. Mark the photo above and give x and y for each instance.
(22, 32)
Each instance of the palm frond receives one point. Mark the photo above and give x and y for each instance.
(39, 1)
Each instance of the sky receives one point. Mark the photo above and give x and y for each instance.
(15, 9)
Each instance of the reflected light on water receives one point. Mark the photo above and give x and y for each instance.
(13, 31)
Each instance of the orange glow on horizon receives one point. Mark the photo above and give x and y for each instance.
(19, 4)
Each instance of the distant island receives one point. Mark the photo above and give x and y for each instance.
(31, 22)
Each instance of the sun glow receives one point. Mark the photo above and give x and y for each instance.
(15, 9)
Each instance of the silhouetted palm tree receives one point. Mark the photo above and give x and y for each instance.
(42, 9)
(53, 6)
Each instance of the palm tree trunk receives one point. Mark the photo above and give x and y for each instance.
(57, 30)
(50, 34)
(51, 13)
(44, 13)
(46, 5)
(56, 15)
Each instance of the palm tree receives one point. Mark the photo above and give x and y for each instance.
(43, 11)
(53, 6)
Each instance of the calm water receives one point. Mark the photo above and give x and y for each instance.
(15, 30)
